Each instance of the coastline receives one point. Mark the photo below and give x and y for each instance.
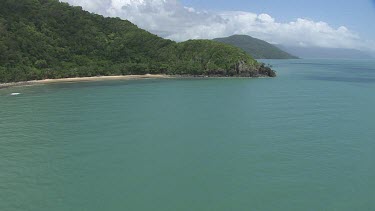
(107, 78)
(85, 79)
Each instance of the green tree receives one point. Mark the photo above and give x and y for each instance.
(49, 39)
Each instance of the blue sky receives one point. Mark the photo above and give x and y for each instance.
(320, 23)
(357, 15)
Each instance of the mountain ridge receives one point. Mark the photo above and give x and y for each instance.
(257, 48)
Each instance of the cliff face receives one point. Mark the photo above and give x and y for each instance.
(242, 69)
(42, 39)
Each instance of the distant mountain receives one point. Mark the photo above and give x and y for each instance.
(42, 39)
(325, 53)
(257, 48)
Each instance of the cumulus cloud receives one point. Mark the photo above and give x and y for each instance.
(172, 20)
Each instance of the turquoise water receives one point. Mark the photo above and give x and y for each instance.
(302, 141)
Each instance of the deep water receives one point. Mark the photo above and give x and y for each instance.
(302, 141)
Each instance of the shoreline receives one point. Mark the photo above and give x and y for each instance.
(108, 78)
(84, 79)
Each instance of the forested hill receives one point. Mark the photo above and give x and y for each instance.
(257, 48)
(47, 39)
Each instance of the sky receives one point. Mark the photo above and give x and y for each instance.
(320, 23)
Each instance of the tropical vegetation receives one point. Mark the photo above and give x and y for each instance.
(42, 39)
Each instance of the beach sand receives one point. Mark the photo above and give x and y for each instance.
(83, 79)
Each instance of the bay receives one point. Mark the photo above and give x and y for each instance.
(301, 141)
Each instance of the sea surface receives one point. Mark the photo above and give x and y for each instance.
(302, 141)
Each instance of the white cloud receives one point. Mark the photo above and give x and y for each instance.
(171, 19)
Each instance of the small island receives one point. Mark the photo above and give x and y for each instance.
(47, 39)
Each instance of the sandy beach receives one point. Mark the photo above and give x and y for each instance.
(83, 79)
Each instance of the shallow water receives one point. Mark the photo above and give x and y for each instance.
(301, 141)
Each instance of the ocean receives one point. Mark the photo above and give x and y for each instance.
(304, 140)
